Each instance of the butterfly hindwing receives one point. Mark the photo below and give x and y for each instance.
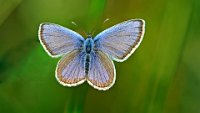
(121, 40)
(101, 74)
(58, 40)
(70, 69)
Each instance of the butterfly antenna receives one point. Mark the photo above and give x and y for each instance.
(107, 19)
(74, 23)
(95, 28)
(93, 31)
(81, 28)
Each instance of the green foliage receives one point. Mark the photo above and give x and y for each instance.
(162, 76)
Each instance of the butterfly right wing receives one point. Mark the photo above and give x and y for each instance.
(58, 40)
(121, 40)
(70, 69)
(101, 73)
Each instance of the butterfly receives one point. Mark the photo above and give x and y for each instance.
(90, 59)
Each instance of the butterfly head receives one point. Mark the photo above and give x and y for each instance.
(89, 36)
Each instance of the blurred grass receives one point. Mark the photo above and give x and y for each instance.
(162, 76)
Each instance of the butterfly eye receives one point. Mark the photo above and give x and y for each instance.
(89, 36)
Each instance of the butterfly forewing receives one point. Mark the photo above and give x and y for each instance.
(102, 71)
(70, 69)
(121, 40)
(58, 40)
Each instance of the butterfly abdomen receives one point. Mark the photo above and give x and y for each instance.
(87, 64)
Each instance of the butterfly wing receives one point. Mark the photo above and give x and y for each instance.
(101, 73)
(58, 40)
(121, 40)
(70, 69)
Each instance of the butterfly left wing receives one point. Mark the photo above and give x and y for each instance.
(70, 69)
(101, 73)
(121, 40)
(58, 40)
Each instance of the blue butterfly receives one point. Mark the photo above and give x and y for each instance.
(91, 59)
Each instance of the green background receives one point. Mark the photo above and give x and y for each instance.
(162, 76)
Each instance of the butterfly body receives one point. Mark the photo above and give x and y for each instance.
(90, 59)
(87, 50)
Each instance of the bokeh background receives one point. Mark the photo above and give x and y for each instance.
(162, 76)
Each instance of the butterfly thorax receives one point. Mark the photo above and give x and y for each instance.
(88, 45)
